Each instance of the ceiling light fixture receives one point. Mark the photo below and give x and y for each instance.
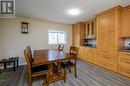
(74, 12)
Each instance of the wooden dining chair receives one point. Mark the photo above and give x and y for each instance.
(30, 53)
(60, 47)
(69, 64)
(35, 71)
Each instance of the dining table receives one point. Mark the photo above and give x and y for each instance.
(50, 57)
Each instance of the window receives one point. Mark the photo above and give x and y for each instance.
(57, 37)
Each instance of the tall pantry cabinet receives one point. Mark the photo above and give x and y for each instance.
(77, 31)
(108, 37)
(126, 21)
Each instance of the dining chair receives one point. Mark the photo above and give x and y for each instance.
(69, 64)
(60, 47)
(35, 71)
(30, 53)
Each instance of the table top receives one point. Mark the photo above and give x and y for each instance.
(48, 56)
(8, 60)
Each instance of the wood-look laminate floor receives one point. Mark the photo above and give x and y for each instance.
(88, 75)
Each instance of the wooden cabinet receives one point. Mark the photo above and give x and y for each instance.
(108, 55)
(126, 22)
(101, 32)
(124, 63)
(124, 70)
(108, 29)
(107, 59)
(90, 29)
(81, 52)
(77, 31)
(111, 29)
(108, 37)
(107, 65)
(111, 26)
(90, 54)
(87, 53)
(76, 34)
(124, 58)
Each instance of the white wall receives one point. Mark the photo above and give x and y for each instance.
(12, 42)
(1, 42)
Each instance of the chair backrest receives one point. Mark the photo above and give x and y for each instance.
(30, 53)
(60, 47)
(73, 53)
(74, 50)
(29, 63)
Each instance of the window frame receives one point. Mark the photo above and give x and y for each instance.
(58, 31)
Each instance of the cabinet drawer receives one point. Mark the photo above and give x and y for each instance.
(124, 70)
(90, 58)
(124, 59)
(112, 59)
(107, 65)
(90, 50)
(107, 52)
(107, 56)
(81, 54)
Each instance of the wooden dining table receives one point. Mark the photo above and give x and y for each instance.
(41, 57)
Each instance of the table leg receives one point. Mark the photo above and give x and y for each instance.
(59, 70)
(5, 65)
(17, 62)
(50, 70)
(14, 65)
(0, 71)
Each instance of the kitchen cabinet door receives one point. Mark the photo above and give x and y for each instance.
(124, 63)
(75, 35)
(111, 31)
(101, 26)
(124, 59)
(90, 29)
(124, 70)
(93, 29)
(81, 53)
(126, 22)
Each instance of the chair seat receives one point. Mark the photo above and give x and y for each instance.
(67, 64)
(40, 69)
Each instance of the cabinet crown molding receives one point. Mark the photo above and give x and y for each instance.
(110, 10)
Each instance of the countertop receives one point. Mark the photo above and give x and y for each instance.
(125, 49)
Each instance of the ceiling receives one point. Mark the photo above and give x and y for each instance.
(56, 10)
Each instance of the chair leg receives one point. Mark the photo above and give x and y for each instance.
(69, 70)
(65, 74)
(75, 69)
(45, 83)
(30, 81)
